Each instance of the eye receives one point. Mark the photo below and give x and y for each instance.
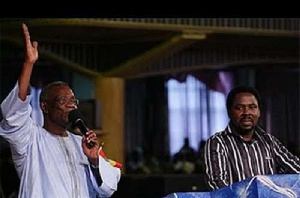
(75, 101)
(62, 100)
(238, 107)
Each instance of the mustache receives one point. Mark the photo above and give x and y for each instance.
(246, 117)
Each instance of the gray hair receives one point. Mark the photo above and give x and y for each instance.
(47, 88)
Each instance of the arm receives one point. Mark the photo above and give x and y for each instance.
(8, 106)
(15, 101)
(15, 107)
(288, 162)
(105, 176)
(215, 164)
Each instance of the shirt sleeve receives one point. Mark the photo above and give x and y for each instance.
(110, 177)
(215, 164)
(288, 163)
(16, 122)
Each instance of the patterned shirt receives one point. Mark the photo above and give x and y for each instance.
(229, 159)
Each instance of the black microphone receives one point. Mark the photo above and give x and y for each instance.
(76, 119)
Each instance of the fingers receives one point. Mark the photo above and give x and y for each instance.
(31, 51)
(24, 26)
(91, 137)
(26, 34)
(27, 37)
(35, 44)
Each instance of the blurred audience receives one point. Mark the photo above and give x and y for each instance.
(185, 161)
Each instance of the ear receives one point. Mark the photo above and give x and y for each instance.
(44, 107)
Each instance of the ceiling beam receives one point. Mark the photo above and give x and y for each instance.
(59, 60)
(154, 55)
(98, 22)
(221, 65)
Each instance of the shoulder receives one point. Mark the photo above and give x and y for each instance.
(267, 137)
(262, 133)
(218, 136)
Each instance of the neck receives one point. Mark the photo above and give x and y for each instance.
(244, 134)
(247, 137)
(55, 129)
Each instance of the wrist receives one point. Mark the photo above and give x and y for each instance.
(27, 63)
(93, 166)
(94, 163)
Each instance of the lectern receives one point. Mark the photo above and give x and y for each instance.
(262, 186)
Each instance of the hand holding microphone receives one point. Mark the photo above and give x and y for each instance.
(76, 119)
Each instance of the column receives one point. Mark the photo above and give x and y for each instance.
(110, 92)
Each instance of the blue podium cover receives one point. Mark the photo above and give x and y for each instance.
(277, 186)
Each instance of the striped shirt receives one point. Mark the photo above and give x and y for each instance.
(229, 159)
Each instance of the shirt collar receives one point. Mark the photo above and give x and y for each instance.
(230, 129)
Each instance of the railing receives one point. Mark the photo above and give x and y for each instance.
(272, 24)
(97, 59)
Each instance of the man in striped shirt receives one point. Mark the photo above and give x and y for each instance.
(244, 149)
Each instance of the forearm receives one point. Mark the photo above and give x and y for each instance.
(108, 178)
(94, 167)
(96, 173)
(216, 178)
(24, 80)
(289, 162)
(94, 162)
(215, 165)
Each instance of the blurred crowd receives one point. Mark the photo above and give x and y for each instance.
(186, 161)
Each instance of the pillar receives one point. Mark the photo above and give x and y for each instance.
(110, 93)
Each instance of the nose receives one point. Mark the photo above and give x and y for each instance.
(72, 103)
(245, 110)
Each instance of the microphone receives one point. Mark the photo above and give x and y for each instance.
(76, 119)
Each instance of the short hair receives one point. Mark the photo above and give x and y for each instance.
(47, 88)
(241, 89)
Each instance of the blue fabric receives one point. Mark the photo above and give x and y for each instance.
(287, 185)
(92, 191)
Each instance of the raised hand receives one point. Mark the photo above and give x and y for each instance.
(31, 55)
(31, 50)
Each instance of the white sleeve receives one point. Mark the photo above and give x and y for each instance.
(110, 177)
(16, 123)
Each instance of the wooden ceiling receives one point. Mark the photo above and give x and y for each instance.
(140, 47)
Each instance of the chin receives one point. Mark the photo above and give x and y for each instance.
(245, 130)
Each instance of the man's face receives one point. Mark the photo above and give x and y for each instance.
(61, 101)
(245, 112)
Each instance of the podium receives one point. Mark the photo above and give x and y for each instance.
(158, 185)
(262, 186)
